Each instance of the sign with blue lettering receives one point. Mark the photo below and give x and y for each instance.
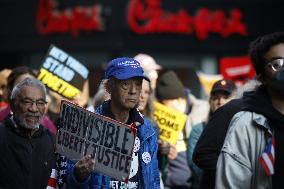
(110, 142)
(62, 73)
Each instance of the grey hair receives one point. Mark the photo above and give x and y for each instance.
(26, 82)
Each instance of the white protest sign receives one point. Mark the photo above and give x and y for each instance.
(62, 73)
(110, 142)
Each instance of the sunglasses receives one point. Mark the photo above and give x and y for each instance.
(276, 64)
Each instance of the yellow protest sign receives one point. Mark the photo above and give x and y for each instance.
(62, 73)
(171, 122)
(57, 84)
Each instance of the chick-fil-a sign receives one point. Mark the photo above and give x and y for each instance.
(73, 20)
(147, 16)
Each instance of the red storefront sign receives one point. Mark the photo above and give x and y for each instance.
(148, 17)
(73, 20)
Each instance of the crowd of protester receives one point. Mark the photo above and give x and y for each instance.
(231, 140)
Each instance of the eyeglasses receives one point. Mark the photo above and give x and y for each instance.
(29, 102)
(276, 64)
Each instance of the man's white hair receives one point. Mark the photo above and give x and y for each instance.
(26, 82)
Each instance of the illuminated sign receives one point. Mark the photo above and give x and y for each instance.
(78, 18)
(148, 17)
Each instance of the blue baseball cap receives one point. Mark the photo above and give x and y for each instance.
(124, 68)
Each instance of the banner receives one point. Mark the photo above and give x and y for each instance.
(110, 142)
(62, 73)
(171, 122)
(239, 69)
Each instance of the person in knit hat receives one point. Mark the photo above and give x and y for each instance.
(170, 91)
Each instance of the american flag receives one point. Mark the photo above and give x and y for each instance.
(58, 175)
(268, 157)
(52, 181)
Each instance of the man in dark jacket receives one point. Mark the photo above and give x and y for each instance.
(26, 148)
(256, 132)
(210, 143)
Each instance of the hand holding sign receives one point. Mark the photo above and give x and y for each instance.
(84, 167)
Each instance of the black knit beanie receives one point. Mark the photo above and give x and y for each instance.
(169, 87)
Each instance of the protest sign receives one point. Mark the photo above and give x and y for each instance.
(170, 121)
(110, 142)
(62, 73)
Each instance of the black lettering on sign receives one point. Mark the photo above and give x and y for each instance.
(120, 162)
(87, 144)
(76, 144)
(66, 115)
(66, 139)
(75, 123)
(110, 129)
(114, 155)
(59, 135)
(165, 133)
(96, 130)
(91, 127)
(117, 161)
(116, 148)
(84, 124)
(127, 131)
(172, 125)
(162, 121)
(102, 133)
(107, 161)
(127, 163)
(94, 149)
(100, 154)
(81, 145)
(71, 141)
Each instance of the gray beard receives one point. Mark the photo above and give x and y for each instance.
(22, 123)
(29, 127)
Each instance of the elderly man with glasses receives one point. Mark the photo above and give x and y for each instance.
(26, 148)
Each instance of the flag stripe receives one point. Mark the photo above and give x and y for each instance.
(264, 166)
(53, 173)
(51, 182)
(268, 163)
(267, 159)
